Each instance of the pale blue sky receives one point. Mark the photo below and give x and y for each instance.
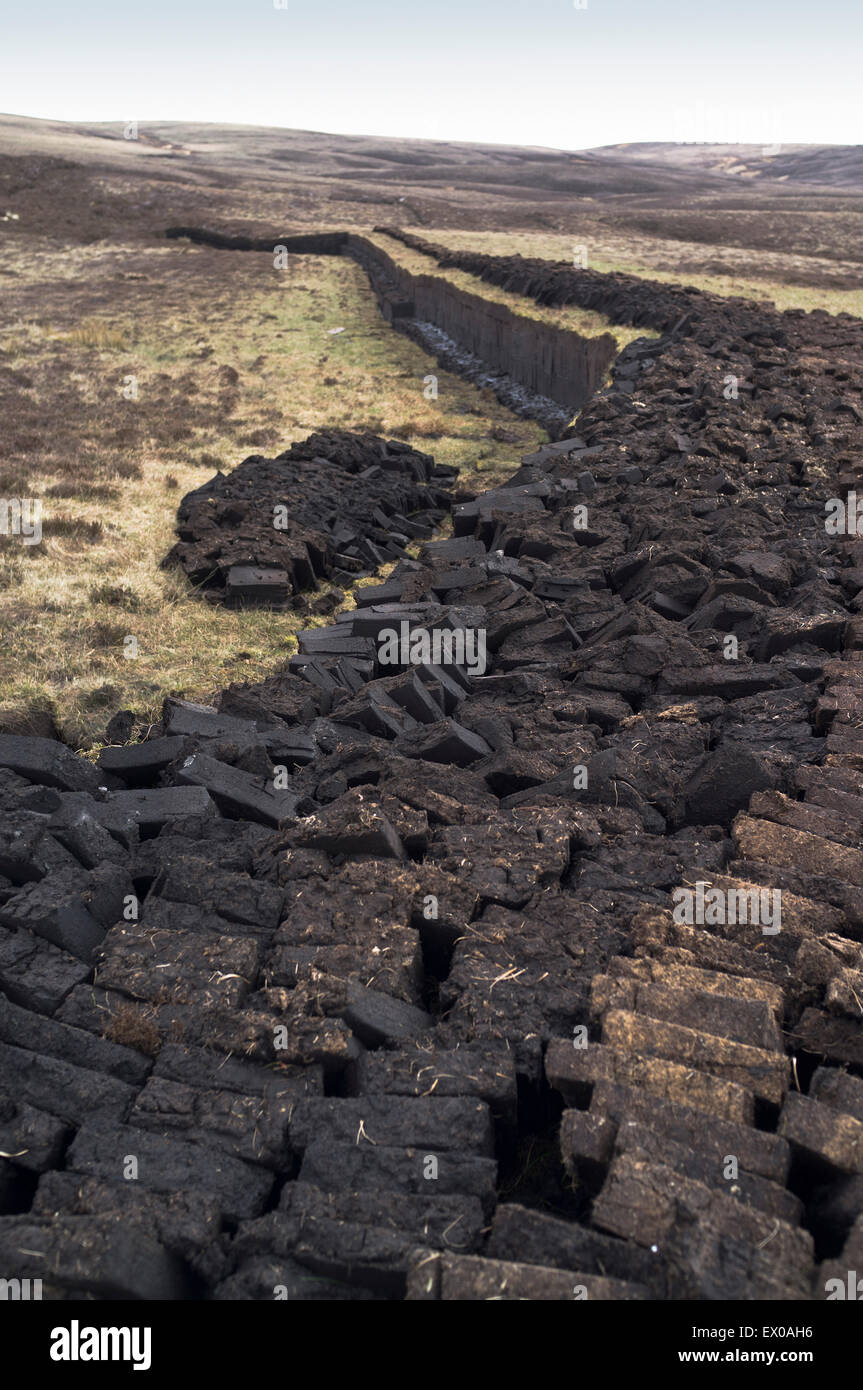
(510, 71)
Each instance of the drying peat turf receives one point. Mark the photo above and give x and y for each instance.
(379, 979)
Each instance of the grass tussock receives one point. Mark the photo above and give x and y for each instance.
(73, 528)
(116, 596)
(130, 1026)
(96, 333)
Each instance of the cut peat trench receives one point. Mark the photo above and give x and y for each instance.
(535, 369)
(355, 502)
(362, 987)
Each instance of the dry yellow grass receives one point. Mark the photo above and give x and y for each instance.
(96, 333)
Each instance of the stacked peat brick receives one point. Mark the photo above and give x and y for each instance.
(332, 507)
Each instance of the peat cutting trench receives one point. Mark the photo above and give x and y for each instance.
(379, 979)
(536, 369)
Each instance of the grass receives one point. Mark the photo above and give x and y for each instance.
(227, 357)
(96, 333)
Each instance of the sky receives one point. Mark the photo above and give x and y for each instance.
(566, 74)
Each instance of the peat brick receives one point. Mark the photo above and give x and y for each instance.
(229, 897)
(57, 910)
(84, 836)
(359, 1237)
(572, 1071)
(801, 815)
(363, 1168)
(356, 1256)
(184, 719)
(645, 1201)
(35, 974)
(150, 810)
(90, 1257)
(60, 1088)
(28, 852)
(353, 826)
(395, 1122)
(323, 930)
(766, 1074)
(839, 1090)
(759, 1193)
(123, 824)
(749, 1021)
(836, 1039)
(521, 1235)
(817, 1131)
(238, 793)
(779, 844)
(162, 966)
(472, 1070)
(673, 972)
(185, 1223)
(431, 1219)
(289, 1030)
(168, 1164)
(444, 742)
(723, 681)
(138, 764)
(255, 584)
(48, 763)
(379, 1020)
(586, 1140)
(470, 1279)
(23, 1029)
(762, 1154)
(209, 1070)
(253, 1128)
(717, 1265)
(164, 914)
(801, 915)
